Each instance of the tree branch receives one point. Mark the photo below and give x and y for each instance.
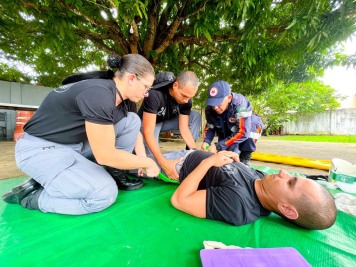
(197, 10)
(116, 35)
(189, 40)
(162, 24)
(203, 66)
(151, 27)
(164, 42)
(99, 41)
(134, 38)
(80, 14)
(113, 30)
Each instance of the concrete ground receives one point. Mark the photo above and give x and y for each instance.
(313, 150)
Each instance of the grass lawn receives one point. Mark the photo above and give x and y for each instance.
(315, 138)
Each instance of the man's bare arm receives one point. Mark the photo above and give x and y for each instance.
(102, 142)
(183, 121)
(187, 197)
(148, 125)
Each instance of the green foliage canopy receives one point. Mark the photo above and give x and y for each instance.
(248, 43)
(281, 102)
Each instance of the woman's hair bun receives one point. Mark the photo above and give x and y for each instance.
(113, 61)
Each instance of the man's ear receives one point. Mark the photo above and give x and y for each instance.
(229, 97)
(288, 211)
(175, 85)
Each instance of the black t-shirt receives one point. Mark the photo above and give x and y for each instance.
(160, 102)
(231, 195)
(62, 114)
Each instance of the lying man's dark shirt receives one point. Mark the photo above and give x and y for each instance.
(231, 195)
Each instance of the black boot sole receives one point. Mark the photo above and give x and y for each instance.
(19, 192)
(130, 188)
(123, 181)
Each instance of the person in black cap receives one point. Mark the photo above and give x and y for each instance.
(229, 116)
(167, 108)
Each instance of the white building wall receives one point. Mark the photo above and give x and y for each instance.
(22, 94)
(353, 101)
(331, 122)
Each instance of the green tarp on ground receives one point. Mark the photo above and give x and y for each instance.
(143, 229)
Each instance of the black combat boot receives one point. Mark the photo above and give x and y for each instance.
(26, 194)
(123, 181)
(30, 201)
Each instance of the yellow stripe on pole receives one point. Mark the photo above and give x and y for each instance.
(293, 160)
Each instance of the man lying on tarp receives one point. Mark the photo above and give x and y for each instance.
(218, 187)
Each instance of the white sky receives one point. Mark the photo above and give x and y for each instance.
(343, 80)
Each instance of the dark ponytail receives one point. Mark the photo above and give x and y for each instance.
(114, 62)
